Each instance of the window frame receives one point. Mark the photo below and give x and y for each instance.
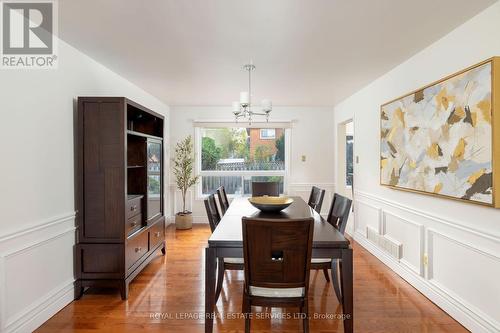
(267, 137)
(198, 170)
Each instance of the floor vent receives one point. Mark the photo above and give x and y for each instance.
(389, 245)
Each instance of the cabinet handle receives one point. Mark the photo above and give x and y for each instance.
(133, 208)
(133, 224)
(138, 249)
(157, 234)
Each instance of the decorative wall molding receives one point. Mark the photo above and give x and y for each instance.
(37, 227)
(356, 216)
(465, 313)
(304, 189)
(431, 233)
(418, 212)
(196, 205)
(420, 270)
(17, 243)
(295, 186)
(422, 279)
(43, 309)
(471, 309)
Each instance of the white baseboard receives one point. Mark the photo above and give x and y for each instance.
(455, 308)
(35, 316)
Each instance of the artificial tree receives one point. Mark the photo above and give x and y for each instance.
(183, 171)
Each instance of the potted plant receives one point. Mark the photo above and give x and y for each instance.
(184, 178)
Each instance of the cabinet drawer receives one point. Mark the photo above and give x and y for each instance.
(133, 206)
(133, 224)
(156, 233)
(137, 247)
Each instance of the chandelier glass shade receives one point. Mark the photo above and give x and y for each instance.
(243, 107)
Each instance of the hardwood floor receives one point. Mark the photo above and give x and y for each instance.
(169, 295)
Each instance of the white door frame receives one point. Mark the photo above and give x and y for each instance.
(342, 188)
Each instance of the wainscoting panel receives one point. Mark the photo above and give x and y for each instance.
(457, 258)
(366, 214)
(453, 264)
(411, 235)
(36, 268)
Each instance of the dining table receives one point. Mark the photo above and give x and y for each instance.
(226, 241)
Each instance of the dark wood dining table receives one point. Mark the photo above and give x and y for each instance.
(227, 242)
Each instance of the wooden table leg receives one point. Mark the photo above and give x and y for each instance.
(210, 262)
(335, 278)
(346, 289)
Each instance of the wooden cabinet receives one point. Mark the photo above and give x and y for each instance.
(119, 192)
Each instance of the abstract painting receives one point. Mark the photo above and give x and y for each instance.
(439, 139)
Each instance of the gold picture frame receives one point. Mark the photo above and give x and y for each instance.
(416, 166)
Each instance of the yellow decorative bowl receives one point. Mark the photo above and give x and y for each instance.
(270, 204)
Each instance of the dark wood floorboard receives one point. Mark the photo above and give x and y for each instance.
(169, 294)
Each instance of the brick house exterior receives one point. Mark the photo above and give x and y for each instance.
(257, 137)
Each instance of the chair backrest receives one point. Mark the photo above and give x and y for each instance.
(277, 254)
(224, 203)
(265, 188)
(339, 212)
(316, 199)
(212, 212)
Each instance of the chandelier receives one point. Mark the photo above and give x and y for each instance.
(243, 108)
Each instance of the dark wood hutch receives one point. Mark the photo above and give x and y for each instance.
(120, 213)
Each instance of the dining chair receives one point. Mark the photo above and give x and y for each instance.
(265, 188)
(277, 257)
(337, 217)
(316, 199)
(223, 201)
(212, 212)
(223, 264)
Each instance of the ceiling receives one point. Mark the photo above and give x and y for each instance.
(191, 52)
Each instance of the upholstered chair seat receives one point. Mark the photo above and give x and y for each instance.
(233, 260)
(320, 260)
(276, 292)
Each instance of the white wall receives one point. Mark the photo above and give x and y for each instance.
(462, 241)
(37, 229)
(311, 135)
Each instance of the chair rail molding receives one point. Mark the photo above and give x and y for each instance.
(438, 239)
(304, 189)
(195, 203)
(421, 213)
(16, 249)
(34, 227)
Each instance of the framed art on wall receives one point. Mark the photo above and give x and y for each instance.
(440, 139)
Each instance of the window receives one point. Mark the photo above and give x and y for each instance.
(349, 141)
(268, 133)
(233, 157)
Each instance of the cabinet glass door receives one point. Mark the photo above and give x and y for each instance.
(155, 195)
